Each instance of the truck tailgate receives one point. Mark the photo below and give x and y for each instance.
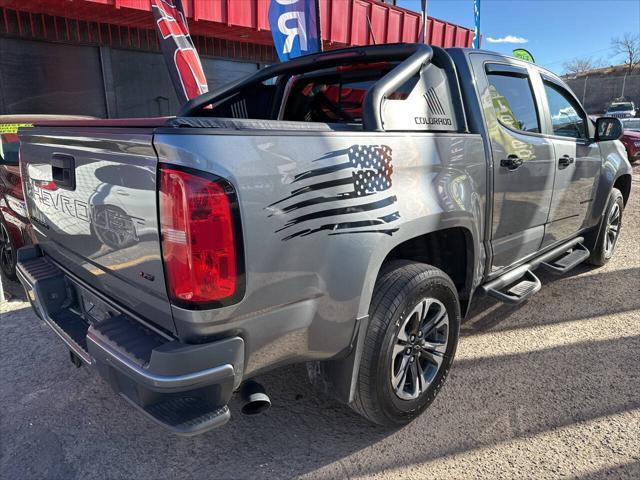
(91, 195)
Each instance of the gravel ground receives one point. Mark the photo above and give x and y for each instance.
(545, 390)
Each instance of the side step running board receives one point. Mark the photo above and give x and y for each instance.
(527, 285)
(521, 282)
(569, 260)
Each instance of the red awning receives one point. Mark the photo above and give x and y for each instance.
(344, 22)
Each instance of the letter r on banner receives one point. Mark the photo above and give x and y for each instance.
(294, 26)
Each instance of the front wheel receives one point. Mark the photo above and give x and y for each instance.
(609, 230)
(410, 343)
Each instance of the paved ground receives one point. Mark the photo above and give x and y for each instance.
(548, 389)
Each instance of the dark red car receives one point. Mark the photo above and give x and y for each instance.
(15, 229)
(631, 138)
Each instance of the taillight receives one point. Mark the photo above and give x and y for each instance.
(46, 185)
(198, 244)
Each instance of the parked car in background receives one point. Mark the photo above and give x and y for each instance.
(621, 110)
(631, 138)
(15, 230)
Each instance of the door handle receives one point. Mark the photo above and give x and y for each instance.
(565, 160)
(511, 162)
(63, 171)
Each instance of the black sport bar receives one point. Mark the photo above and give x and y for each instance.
(413, 57)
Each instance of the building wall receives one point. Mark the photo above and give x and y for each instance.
(103, 58)
(142, 87)
(138, 84)
(597, 92)
(39, 77)
(44, 77)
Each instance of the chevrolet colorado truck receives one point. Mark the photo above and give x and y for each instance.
(341, 209)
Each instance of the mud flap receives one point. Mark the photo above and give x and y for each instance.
(337, 378)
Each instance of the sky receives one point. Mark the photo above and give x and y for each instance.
(554, 31)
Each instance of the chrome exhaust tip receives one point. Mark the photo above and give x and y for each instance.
(254, 397)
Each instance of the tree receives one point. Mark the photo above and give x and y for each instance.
(580, 65)
(629, 46)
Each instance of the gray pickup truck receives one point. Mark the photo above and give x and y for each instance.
(341, 209)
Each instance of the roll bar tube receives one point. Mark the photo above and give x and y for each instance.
(372, 105)
(443, 60)
(412, 55)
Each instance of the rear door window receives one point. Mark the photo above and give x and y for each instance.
(513, 101)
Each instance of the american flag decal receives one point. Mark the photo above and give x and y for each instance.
(348, 196)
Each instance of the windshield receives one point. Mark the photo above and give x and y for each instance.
(621, 107)
(335, 99)
(632, 124)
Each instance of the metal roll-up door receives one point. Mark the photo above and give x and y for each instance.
(220, 72)
(40, 77)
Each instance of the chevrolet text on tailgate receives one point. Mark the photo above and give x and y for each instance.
(340, 209)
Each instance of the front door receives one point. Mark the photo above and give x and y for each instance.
(523, 160)
(578, 164)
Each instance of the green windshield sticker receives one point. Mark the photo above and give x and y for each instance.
(523, 54)
(12, 127)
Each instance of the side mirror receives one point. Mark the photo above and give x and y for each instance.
(608, 128)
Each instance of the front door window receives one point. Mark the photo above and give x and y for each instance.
(566, 119)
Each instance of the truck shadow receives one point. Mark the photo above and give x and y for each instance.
(12, 290)
(608, 292)
(489, 399)
(485, 402)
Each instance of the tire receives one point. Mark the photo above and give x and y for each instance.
(608, 233)
(397, 304)
(8, 256)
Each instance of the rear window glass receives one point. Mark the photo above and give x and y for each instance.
(334, 99)
(513, 102)
(621, 107)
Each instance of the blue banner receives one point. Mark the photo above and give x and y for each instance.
(294, 26)
(476, 30)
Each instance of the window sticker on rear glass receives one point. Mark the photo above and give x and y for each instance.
(12, 127)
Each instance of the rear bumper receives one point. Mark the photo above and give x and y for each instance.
(183, 387)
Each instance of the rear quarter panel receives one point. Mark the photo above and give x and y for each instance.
(312, 253)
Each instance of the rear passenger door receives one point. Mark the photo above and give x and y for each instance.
(523, 159)
(578, 162)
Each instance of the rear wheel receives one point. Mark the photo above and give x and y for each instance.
(609, 230)
(7, 252)
(410, 343)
